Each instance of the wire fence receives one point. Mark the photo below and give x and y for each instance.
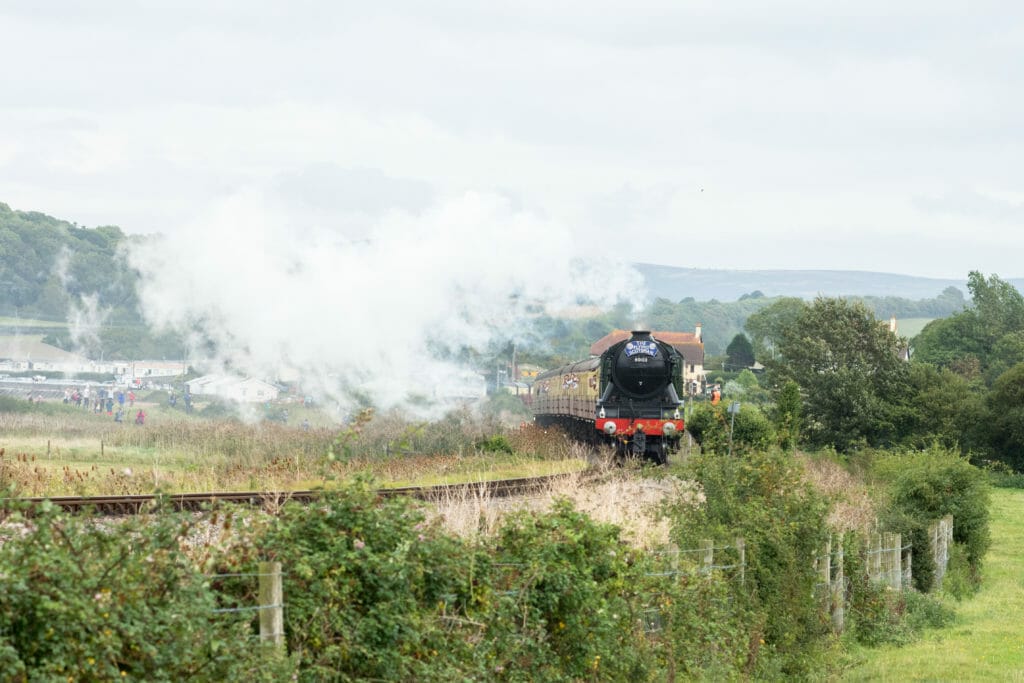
(887, 560)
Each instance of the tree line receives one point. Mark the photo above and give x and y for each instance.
(838, 377)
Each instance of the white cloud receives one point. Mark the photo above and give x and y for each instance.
(834, 119)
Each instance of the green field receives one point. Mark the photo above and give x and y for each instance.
(911, 327)
(29, 322)
(987, 641)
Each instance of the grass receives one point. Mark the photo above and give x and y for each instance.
(911, 327)
(7, 321)
(987, 641)
(52, 449)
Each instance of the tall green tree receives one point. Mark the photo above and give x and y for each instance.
(740, 352)
(847, 366)
(982, 341)
(767, 325)
(1006, 417)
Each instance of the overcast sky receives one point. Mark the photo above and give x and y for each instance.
(862, 135)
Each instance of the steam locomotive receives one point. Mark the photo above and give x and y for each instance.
(628, 397)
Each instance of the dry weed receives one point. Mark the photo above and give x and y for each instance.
(616, 496)
(853, 508)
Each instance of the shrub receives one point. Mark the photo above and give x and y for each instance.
(924, 486)
(496, 443)
(711, 425)
(367, 582)
(108, 602)
(762, 498)
(567, 612)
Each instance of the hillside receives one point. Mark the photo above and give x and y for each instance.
(675, 284)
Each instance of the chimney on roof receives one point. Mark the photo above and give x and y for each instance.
(698, 332)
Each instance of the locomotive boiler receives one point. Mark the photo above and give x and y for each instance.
(628, 396)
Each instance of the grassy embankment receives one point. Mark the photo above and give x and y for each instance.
(987, 641)
(56, 451)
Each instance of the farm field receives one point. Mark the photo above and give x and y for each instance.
(911, 327)
(987, 641)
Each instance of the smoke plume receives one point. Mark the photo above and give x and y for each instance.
(260, 295)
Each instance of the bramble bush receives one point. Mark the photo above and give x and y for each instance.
(762, 498)
(923, 486)
(89, 601)
(363, 581)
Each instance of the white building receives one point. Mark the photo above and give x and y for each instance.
(242, 390)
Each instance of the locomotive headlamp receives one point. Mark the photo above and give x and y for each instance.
(669, 428)
(676, 415)
(601, 413)
(609, 427)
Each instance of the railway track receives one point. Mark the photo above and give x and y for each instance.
(112, 506)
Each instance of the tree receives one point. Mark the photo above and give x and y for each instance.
(766, 326)
(942, 407)
(740, 352)
(948, 342)
(984, 340)
(1006, 417)
(848, 369)
(999, 305)
(788, 411)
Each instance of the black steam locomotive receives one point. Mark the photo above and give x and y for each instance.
(628, 396)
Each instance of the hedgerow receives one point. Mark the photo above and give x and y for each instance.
(88, 601)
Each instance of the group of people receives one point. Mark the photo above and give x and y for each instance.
(103, 400)
(140, 417)
(172, 400)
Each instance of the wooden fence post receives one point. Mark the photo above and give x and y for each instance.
(825, 562)
(908, 567)
(709, 554)
(741, 553)
(838, 591)
(896, 554)
(875, 565)
(271, 604)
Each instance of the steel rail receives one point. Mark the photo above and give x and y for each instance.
(112, 506)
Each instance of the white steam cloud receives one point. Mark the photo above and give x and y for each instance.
(281, 300)
(85, 316)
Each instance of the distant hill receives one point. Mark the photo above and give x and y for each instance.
(675, 284)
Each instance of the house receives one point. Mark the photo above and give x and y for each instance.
(242, 390)
(690, 346)
(142, 370)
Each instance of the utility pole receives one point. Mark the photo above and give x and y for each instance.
(734, 408)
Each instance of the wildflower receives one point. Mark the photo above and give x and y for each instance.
(358, 543)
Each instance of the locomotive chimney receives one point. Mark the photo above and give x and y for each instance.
(698, 332)
(640, 334)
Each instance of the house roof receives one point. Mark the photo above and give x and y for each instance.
(686, 343)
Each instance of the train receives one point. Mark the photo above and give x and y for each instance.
(627, 397)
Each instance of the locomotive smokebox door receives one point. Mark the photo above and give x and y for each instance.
(641, 368)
